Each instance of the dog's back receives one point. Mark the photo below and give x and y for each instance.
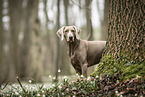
(94, 52)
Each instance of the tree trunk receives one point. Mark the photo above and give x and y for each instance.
(104, 22)
(31, 59)
(126, 24)
(89, 20)
(2, 76)
(15, 8)
(64, 61)
(66, 3)
(125, 52)
(36, 46)
(57, 41)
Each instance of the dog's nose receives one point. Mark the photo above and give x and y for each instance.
(70, 37)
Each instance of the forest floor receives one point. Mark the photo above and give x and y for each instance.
(74, 86)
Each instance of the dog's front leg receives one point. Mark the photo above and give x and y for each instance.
(84, 70)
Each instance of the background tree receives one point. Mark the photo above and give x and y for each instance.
(89, 20)
(1, 43)
(125, 52)
(104, 21)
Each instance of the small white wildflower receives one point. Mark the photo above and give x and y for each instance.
(59, 70)
(62, 93)
(116, 92)
(82, 76)
(65, 77)
(53, 85)
(50, 76)
(43, 96)
(67, 89)
(38, 94)
(54, 78)
(74, 96)
(135, 95)
(77, 74)
(121, 96)
(89, 78)
(30, 81)
(97, 76)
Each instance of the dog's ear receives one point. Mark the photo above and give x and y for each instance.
(78, 31)
(60, 33)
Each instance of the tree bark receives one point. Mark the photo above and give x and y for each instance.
(104, 22)
(124, 55)
(126, 25)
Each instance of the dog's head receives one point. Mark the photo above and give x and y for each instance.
(70, 33)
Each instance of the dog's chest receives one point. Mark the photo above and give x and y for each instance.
(75, 61)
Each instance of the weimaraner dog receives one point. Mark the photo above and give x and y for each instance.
(82, 53)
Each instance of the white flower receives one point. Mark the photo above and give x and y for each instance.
(59, 70)
(116, 92)
(77, 74)
(38, 94)
(53, 85)
(50, 76)
(54, 78)
(82, 76)
(89, 78)
(97, 76)
(65, 77)
(30, 81)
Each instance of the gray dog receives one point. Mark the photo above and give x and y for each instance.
(82, 53)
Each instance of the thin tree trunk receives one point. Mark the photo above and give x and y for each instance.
(66, 3)
(57, 41)
(1, 44)
(89, 20)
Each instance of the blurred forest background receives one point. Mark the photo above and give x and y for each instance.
(29, 46)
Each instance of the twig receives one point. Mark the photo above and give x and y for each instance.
(21, 85)
(79, 5)
(4, 86)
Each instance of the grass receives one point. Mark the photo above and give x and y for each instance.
(91, 86)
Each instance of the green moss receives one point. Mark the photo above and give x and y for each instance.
(126, 67)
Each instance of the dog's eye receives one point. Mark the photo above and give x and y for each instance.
(66, 31)
(72, 30)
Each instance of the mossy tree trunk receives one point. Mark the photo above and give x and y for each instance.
(126, 29)
(125, 51)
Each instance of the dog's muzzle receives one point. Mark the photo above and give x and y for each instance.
(70, 37)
